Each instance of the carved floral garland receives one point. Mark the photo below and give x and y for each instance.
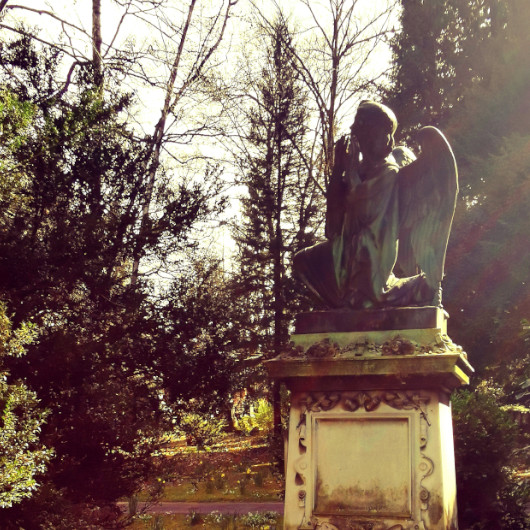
(369, 401)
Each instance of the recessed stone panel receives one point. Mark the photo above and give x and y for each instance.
(362, 465)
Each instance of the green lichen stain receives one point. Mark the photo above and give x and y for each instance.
(354, 499)
(435, 509)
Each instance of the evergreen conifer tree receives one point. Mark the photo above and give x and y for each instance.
(281, 199)
(476, 87)
(71, 182)
(443, 50)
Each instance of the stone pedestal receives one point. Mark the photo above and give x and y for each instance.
(370, 431)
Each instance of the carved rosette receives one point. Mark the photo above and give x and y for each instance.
(362, 401)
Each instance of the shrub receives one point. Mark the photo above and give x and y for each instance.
(242, 485)
(22, 456)
(263, 415)
(259, 520)
(210, 485)
(219, 481)
(489, 497)
(260, 419)
(219, 520)
(193, 518)
(258, 479)
(158, 523)
(202, 430)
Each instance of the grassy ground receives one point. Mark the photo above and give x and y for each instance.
(239, 468)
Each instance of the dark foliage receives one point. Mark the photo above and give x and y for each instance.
(465, 68)
(489, 496)
(488, 263)
(443, 52)
(72, 191)
(198, 337)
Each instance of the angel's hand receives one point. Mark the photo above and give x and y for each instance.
(351, 173)
(341, 151)
(345, 170)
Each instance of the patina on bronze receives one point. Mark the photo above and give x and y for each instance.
(388, 218)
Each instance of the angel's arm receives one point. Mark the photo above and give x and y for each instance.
(344, 178)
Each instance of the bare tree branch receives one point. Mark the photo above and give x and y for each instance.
(333, 67)
(70, 52)
(172, 99)
(50, 14)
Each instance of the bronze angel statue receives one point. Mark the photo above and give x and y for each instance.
(388, 219)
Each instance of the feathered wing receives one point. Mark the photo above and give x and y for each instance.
(427, 198)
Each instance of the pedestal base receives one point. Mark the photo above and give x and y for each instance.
(370, 460)
(370, 431)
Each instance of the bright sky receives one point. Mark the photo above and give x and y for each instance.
(125, 26)
(122, 27)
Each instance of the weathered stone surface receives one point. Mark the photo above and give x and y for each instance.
(370, 430)
(446, 371)
(385, 483)
(370, 459)
(341, 321)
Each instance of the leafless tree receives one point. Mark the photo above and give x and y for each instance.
(181, 79)
(166, 63)
(335, 53)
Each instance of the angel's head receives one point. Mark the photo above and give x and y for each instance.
(374, 128)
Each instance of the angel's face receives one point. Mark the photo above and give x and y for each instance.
(375, 140)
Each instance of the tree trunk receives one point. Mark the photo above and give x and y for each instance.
(96, 43)
(278, 244)
(154, 159)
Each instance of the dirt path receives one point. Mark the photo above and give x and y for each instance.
(236, 508)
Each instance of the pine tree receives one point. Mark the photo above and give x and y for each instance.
(480, 97)
(489, 258)
(442, 51)
(463, 66)
(278, 210)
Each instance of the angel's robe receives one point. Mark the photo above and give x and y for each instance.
(353, 268)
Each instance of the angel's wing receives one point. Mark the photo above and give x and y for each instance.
(427, 198)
